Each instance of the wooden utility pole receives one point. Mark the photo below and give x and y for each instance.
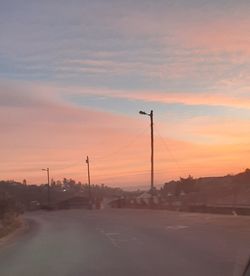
(152, 150)
(87, 161)
(48, 195)
(151, 115)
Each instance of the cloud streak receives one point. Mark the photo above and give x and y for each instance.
(232, 99)
(73, 76)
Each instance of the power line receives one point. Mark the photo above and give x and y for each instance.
(126, 174)
(170, 152)
(124, 147)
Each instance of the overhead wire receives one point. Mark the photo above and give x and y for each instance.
(177, 163)
(124, 147)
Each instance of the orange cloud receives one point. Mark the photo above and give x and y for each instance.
(60, 135)
(231, 99)
(53, 95)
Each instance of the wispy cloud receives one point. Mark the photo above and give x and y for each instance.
(205, 45)
(212, 98)
(186, 59)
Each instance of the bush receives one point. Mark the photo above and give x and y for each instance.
(9, 212)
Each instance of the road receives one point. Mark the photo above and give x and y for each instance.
(127, 242)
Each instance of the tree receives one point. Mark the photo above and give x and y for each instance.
(187, 185)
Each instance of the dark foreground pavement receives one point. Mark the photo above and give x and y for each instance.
(127, 242)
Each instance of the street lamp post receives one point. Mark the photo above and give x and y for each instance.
(87, 161)
(151, 115)
(48, 184)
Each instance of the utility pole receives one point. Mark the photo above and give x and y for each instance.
(48, 195)
(152, 149)
(151, 115)
(87, 161)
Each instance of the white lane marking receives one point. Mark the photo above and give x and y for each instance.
(111, 239)
(116, 238)
(112, 234)
(176, 227)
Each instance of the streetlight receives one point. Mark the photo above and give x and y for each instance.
(48, 184)
(90, 199)
(152, 146)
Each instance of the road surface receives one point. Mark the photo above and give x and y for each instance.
(127, 243)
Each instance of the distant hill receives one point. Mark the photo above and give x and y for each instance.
(229, 189)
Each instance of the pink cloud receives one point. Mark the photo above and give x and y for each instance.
(53, 95)
(59, 135)
(204, 30)
(231, 99)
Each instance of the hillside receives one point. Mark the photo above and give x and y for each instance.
(228, 190)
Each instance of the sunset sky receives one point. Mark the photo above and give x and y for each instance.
(74, 75)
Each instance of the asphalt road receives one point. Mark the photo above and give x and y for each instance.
(127, 243)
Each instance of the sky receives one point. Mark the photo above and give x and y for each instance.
(74, 75)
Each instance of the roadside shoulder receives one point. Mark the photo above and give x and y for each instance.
(19, 227)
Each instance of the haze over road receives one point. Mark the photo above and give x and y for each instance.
(127, 242)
